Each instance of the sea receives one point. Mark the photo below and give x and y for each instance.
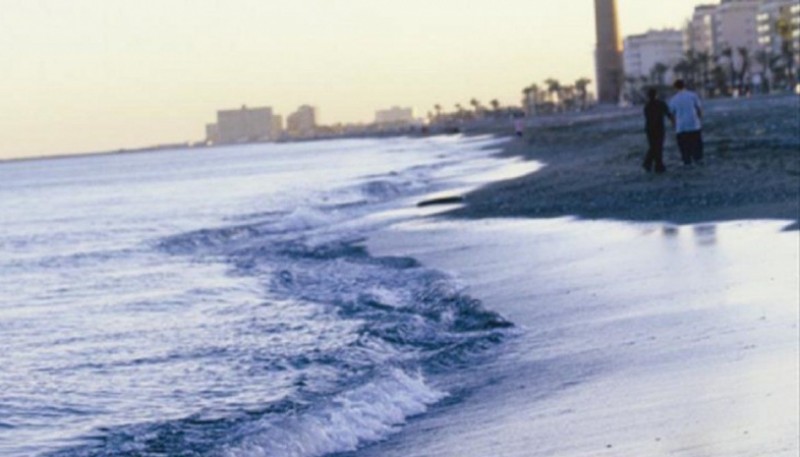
(221, 301)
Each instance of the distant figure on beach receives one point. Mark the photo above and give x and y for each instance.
(519, 126)
(687, 114)
(655, 111)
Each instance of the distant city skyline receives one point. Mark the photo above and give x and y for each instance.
(100, 75)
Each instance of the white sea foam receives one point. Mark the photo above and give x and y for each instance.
(366, 414)
(304, 218)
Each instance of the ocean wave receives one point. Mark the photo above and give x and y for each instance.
(382, 189)
(388, 315)
(272, 332)
(368, 413)
(372, 331)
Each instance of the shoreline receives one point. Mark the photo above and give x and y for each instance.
(641, 339)
(593, 169)
(635, 337)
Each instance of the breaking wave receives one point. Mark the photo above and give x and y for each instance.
(341, 348)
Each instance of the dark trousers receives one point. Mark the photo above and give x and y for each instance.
(655, 153)
(691, 147)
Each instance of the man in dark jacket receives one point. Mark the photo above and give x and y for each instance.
(655, 111)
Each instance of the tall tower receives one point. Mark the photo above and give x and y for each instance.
(608, 53)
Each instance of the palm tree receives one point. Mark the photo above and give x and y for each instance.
(784, 28)
(554, 88)
(581, 86)
(532, 99)
(695, 67)
(682, 69)
(632, 89)
(460, 111)
(568, 92)
(764, 60)
(476, 105)
(536, 92)
(526, 100)
(778, 70)
(744, 54)
(727, 53)
(658, 74)
(704, 63)
(719, 79)
(438, 109)
(495, 105)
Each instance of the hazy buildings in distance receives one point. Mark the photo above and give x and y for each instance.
(302, 123)
(394, 115)
(608, 55)
(212, 134)
(244, 125)
(250, 125)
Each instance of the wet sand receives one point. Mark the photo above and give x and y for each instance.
(593, 168)
(630, 339)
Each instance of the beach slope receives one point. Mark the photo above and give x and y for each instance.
(593, 168)
(630, 339)
(654, 315)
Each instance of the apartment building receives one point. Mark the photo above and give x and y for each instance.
(394, 115)
(700, 31)
(303, 122)
(735, 25)
(641, 53)
(243, 125)
(778, 21)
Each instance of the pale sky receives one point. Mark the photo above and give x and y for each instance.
(94, 75)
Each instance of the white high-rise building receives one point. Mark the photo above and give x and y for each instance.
(642, 53)
(771, 13)
(794, 20)
(735, 26)
(700, 33)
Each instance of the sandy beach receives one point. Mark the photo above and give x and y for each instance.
(593, 168)
(654, 315)
(631, 339)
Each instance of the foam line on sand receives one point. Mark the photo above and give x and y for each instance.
(634, 339)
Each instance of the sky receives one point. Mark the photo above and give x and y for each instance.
(100, 75)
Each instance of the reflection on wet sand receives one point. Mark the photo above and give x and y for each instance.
(669, 231)
(704, 235)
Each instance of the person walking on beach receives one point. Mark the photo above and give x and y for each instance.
(519, 125)
(686, 112)
(654, 113)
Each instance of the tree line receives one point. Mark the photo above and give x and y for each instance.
(728, 73)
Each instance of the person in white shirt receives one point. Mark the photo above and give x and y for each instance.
(687, 115)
